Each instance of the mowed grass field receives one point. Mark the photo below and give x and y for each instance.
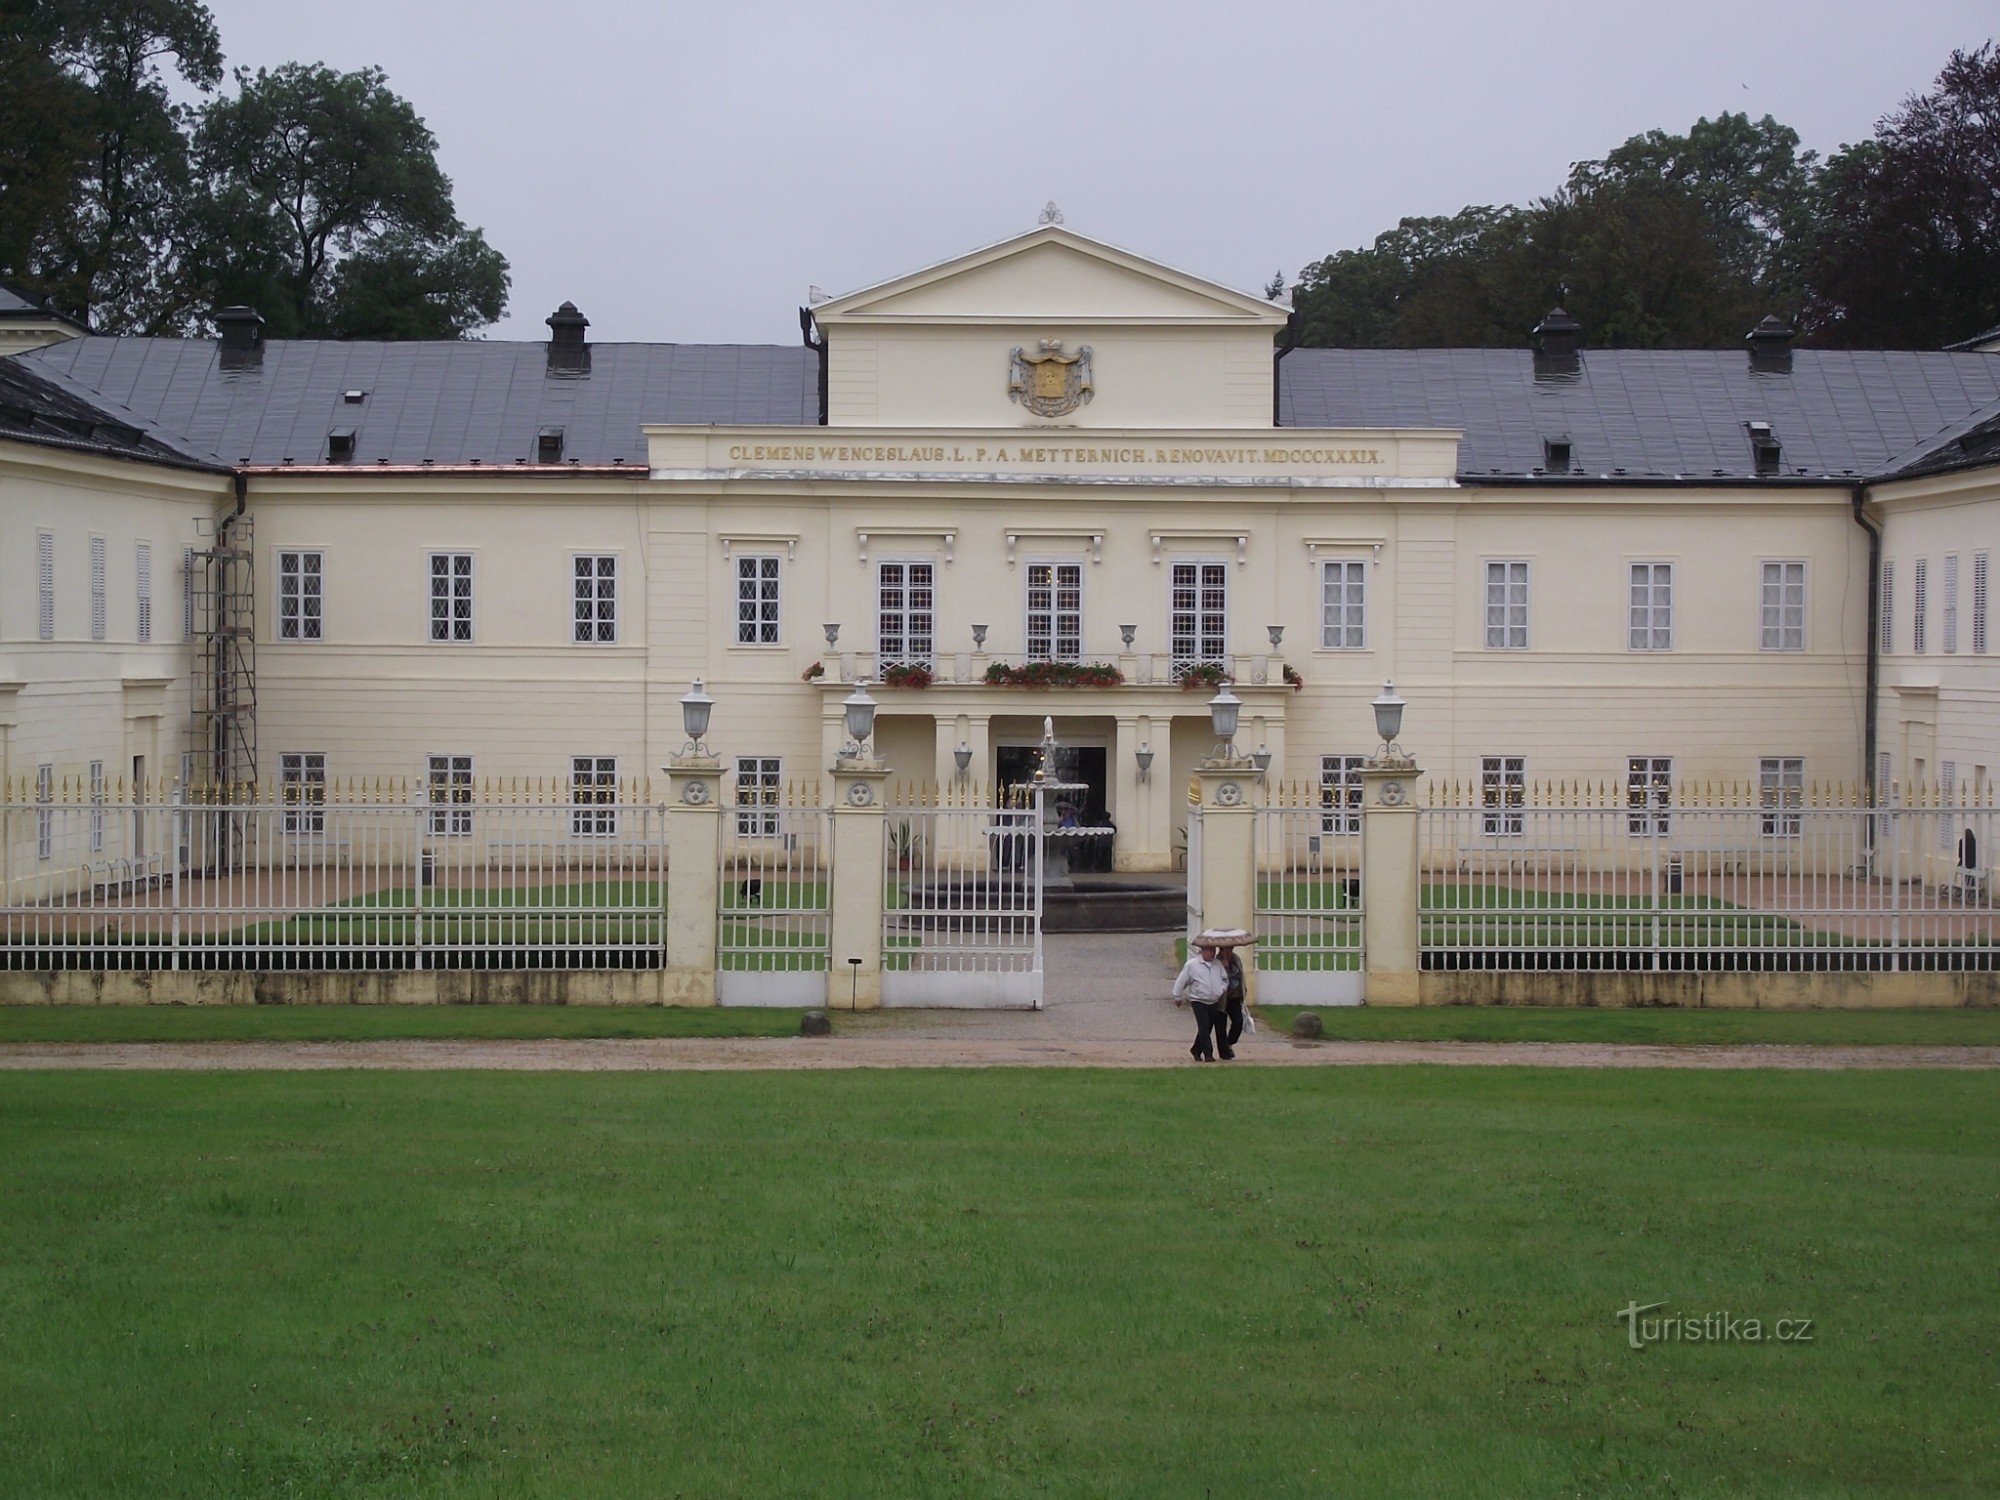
(1191, 1282)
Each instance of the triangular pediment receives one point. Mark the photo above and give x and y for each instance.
(1051, 275)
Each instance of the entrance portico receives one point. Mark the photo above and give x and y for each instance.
(920, 730)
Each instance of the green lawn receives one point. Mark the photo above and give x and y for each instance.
(1653, 1026)
(1153, 1284)
(359, 1023)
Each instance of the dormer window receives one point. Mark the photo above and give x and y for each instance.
(340, 445)
(549, 446)
(1556, 454)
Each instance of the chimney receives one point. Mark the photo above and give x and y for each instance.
(1770, 345)
(1558, 343)
(568, 353)
(240, 337)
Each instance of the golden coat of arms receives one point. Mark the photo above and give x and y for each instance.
(1049, 382)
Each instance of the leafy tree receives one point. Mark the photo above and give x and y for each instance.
(1908, 249)
(1355, 298)
(326, 209)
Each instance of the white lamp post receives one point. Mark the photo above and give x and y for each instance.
(696, 706)
(860, 711)
(1225, 709)
(1388, 708)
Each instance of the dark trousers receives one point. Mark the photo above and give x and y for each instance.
(1233, 1009)
(1208, 1021)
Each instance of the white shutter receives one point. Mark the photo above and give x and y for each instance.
(45, 569)
(97, 599)
(144, 573)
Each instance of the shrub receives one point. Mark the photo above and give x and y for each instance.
(908, 675)
(1054, 674)
(1208, 674)
(814, 672)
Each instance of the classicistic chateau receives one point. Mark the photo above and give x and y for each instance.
(286, 562)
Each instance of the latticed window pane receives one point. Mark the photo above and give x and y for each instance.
(1340, 793)
(1651, 622)
(593, 795)
(1055, 612)
(451, 794)
(756, 601)
(451, 596)
(1781, 791)
(905, 623)
(594, 598)
(1343, 605)
(1503, 793)
(301, 596)
(1507, 606)
(1199, 626)
(1649, 793)
(758, 784)
(1782, 607)
(302, 787)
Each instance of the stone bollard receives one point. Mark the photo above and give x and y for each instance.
(1307, 1025)
(815, 1023)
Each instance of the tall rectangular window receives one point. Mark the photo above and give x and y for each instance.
(1055, 612)
(451, 596)
(302, 789)
(1887, 607)
(1979, 604)
(45, 585)
(1343, 605)
(97, 807)
(1340, 793)
(302, 596)
(758, 782)
(143, 574)
(1948, 614)
(1650, 623)
(45, 813)
(450, 784)
(1198, 626)
(906, 614)
(593, 795)
(1503, 794)
(1507, 606)
(756, 601)
(1921, 607)
(594, 599)
(98, 606)
(1782, 607)
(1649, 794)
(1781, 792)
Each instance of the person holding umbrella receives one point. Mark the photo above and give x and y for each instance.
(1205, 984)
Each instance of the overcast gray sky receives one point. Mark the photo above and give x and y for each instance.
(683, 171)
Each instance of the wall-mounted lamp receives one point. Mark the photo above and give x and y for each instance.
(979, 637)
(1276, 633)
(1144, 756)
(1261, 759)
(696, 707)
(1126, 632)
(962, 757)
(832, 629)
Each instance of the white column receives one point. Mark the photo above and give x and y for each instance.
(855, 890)
(1390, 936)
(694, 832)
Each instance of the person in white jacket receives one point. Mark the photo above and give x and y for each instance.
(1202, 983)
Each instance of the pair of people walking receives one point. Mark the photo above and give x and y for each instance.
(1211, 983)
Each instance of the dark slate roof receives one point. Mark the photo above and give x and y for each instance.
(450, 403)
(1649, 412)
(34, 410)
(19, 305)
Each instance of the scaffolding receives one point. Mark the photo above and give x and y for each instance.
(222, 729)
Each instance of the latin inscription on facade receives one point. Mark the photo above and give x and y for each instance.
(1042, 456)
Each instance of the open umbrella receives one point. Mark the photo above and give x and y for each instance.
(1223, 937)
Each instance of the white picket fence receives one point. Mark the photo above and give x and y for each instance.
(1309, 898)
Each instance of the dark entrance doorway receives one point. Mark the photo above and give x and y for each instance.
(1016, 766)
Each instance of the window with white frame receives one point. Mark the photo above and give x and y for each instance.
(97, 807)
(1886, 604)
(1507, 605)
(302, 789)
(1198, 626)
(45, 585)
(1920, 607)
(1979, 604)
(758, 782)
(906, 614)
(756, 600)
(1055, 611)
(1782, 607)
(1503, 794)
(301, 596)
(450, 784)
(1649, 794)
(98, 603)
(1948, 610)
(593, 796)
(1343, 605)
(594, 599)
(142, 573)
(1650, 623)
(451, 597)
(1781, 792)
(45, 814)
(1340, 793)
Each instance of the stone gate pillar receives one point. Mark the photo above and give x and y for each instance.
(1229, 797)
(1391, 873)
(694, 849)
(855, 877)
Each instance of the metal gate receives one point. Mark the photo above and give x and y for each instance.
(1309, 894)
(772, 932)
(962, 899)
